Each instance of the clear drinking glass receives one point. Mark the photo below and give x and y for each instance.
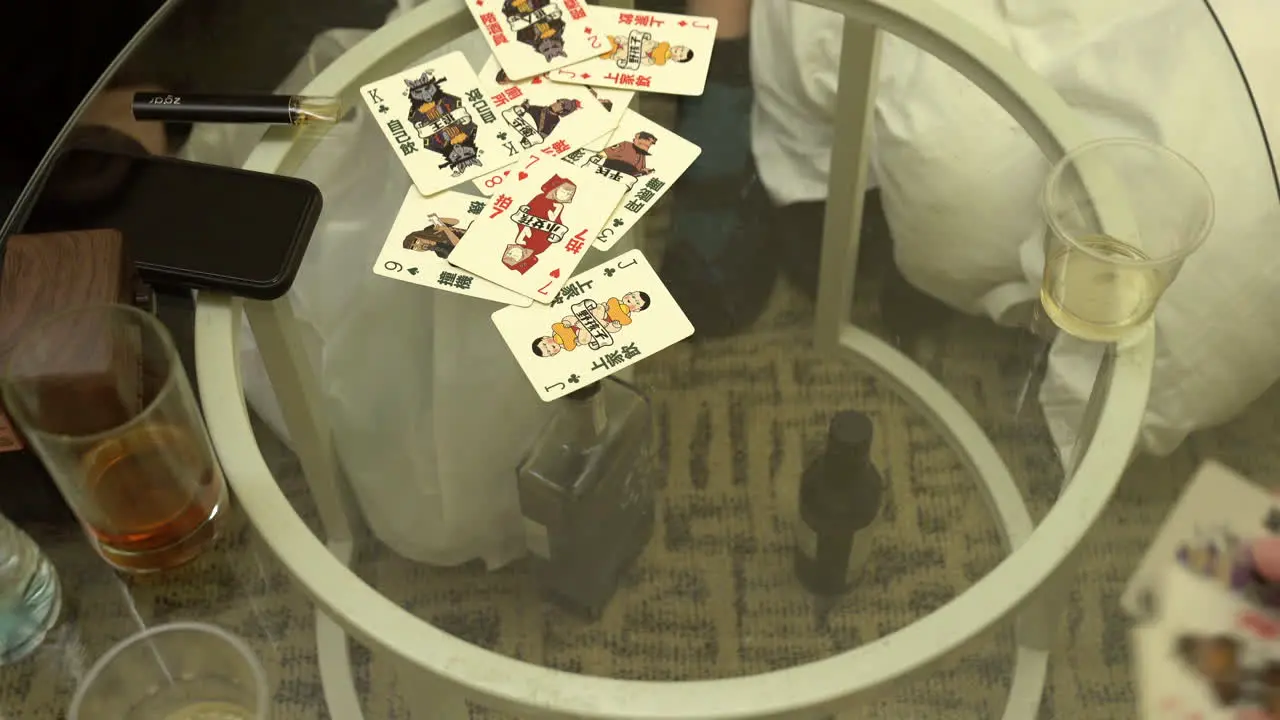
(1101, 283)
(100, 394)
(180, 671)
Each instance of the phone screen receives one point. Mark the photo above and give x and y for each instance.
(186, 224)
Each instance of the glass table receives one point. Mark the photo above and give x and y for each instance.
(977, 562)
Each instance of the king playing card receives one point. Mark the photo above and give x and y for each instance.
(438, 121)
(611, 316)
(541, 116)
(641, 156)
(645, 52)
(530, 37)
(424, 235)
(537, 228)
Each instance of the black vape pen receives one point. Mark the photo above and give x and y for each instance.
(271, 109)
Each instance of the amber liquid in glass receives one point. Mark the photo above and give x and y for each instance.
(159, 497)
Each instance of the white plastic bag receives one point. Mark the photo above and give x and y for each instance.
(430, 412)
(960, 178)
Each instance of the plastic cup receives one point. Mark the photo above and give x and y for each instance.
(179, 671)
(1102, 283)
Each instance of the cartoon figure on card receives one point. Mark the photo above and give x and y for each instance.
(439, 237)
(537, 23)
(1216, 659)
(1223, 558)
(538, 121)
(538, 224)
(442, 122)
(591, 324)
(629, 156)
(639, 49)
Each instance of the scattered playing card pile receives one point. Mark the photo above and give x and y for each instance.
(1207, 645)
(558, 165)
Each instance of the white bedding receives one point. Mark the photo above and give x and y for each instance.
(960, 178)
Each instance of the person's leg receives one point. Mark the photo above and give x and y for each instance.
(715, 264)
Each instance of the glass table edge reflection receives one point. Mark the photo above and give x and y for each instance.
(452, 668)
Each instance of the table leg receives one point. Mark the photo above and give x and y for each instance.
(298, 391)
(847, 186)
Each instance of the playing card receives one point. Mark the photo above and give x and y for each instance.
(603, 320)
(439, 122)
(1208, 655)
(643, 157)
(535, 231)
(530, 37)
(614, 100)
(645, 52)
(424, 235)
(1217, 515)
(540, 116)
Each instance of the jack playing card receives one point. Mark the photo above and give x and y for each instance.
(536, 229)
(645, 52)
(1207, 532)
(439, 122)
(530, 37)
(541, 116)
(1209, 654)
(601, 321)
(643, 157)
(424, 235)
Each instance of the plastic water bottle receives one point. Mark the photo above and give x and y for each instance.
(30, 594)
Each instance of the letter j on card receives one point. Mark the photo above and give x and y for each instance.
(645, 52)
(611, 316)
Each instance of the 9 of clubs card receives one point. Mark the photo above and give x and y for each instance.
(530, 37)
(536, 230)
(643, 157)
(540, 116)
(438, 121)
(1210, 655)
(645, 52)
(424, 235)
(601, 321)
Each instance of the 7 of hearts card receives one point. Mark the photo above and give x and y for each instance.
(537, 228)
(645, 52)
(439, 122)
(425, 233)
(604, 319)
(530, 37)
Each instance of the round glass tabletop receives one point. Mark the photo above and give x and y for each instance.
(431, 434)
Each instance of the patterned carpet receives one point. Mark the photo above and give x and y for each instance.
(713, 595)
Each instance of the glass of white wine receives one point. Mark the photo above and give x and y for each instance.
(1101, 283)
(178, 671)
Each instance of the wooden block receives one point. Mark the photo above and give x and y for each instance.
(51, 272)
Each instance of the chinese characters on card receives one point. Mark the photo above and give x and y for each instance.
(520, 170)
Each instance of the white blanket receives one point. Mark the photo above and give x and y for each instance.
(960, 178)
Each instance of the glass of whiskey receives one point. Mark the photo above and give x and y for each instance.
(100, 394)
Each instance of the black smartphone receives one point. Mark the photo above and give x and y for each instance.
(186, 224)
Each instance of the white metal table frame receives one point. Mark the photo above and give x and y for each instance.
(1029, 585)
